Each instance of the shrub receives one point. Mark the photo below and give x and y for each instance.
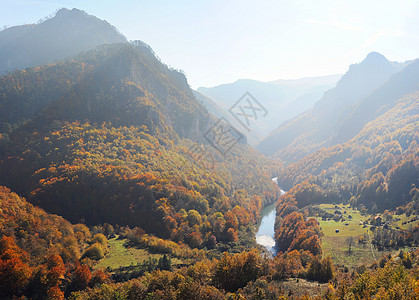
(94, 251)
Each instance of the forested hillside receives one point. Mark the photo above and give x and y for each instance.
(118, 181)
(122, 83)
(378, 168)
(39, 251)
(110, 148)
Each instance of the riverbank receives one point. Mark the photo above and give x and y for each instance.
(265, 230)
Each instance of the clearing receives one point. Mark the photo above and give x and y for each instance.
(120, 256)
(335, 244)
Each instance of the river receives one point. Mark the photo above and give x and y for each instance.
(265, 230)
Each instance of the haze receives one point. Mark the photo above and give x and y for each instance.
(281, 163)
(216, 42)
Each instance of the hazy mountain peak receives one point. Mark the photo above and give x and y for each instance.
(375, 57)
(65, 11)
(316, 126)
(66, 34)
(360, 80)
(372, 64)
(283, 98)
(66, 15)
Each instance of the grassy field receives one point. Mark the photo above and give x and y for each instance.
(336, 245)
(409, 221)
(121, 256)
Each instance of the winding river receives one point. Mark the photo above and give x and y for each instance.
(265, 230)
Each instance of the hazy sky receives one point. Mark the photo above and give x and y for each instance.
(220, 41)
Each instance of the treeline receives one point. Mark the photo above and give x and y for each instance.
(298, 244)
(37, 232)
(389, 278)
(247, 275)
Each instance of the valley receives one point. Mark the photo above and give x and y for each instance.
(118, 180)
(265, 230)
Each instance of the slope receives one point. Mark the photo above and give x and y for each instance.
(380, 101)
(378, 168)
(283, 99)
(38, 233)
(313, 129)
(68, 33)
(117, 145)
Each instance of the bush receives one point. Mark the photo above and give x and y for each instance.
(101, 239)
(95, 251)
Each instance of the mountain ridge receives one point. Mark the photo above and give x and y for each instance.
(282, 99)
(66, 34)
(315, 127)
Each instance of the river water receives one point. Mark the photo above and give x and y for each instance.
(265, 230)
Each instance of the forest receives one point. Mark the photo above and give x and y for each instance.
(110, 190)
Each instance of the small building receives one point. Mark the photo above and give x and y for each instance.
(378, 220)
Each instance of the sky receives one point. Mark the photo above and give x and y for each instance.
(221, 41)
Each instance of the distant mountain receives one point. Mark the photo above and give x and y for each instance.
(214, 109)
(283, 99)
(318, 126)
(378, 102)
(210, 105)
(68, 33)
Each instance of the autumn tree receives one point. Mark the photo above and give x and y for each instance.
(320, 269)
(14, 273)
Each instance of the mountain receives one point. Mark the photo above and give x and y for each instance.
(278, 91)
(115, 136)
(253, 138)
(377, 169)
(85, 88)
(282, 99)
(378, 102)
(67, 34)
(114, 139)
(316, 127)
